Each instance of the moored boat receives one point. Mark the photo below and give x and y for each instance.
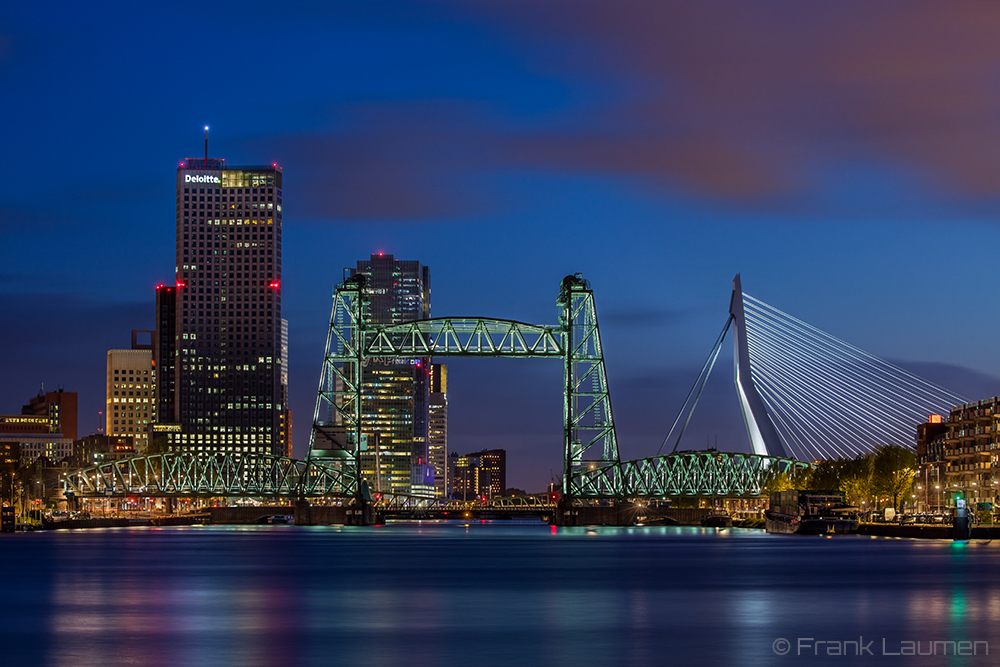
(810, 513)
(717, 519)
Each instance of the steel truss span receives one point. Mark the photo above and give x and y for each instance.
(214, 475)
(704, 473)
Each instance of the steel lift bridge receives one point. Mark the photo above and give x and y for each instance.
(592, 466)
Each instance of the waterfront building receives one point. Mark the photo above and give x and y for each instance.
(931, 464)
(960, 456)
(98, 448)
(437, 428)
(220, 339)
(131, 392)
(60, 409)
(396, 390)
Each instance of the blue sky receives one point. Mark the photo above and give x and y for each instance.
(842, 159)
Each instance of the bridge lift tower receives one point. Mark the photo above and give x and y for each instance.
(589, 441)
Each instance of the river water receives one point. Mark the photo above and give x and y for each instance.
(485, 594)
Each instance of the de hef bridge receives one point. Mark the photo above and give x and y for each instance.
(783, 367)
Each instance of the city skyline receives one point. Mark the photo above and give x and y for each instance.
(838, 158)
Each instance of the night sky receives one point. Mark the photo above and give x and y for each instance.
(844, 158)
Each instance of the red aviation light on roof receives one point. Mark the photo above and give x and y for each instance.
(160, 286)
(381, 254)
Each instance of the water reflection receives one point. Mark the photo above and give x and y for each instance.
(485, 593)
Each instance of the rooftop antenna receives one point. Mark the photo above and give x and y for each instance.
(206, 146)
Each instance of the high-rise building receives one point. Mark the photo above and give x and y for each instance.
(494, 460)
(225, 356)
(165, 353)
(131, 393)
(395, 403)
(59, 407)
(479, 475)
(437, 428)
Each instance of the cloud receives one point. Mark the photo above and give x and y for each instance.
(760, 103)
(790, 108)
(398, 160)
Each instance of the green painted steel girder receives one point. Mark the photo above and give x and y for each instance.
(231, 474)
(692, 474)
(462, 337)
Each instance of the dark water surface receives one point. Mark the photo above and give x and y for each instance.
(486, 594)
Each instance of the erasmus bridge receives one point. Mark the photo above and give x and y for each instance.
(804, 396)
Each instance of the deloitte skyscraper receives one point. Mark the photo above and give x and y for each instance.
(223, 378)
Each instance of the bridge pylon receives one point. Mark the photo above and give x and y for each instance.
(589, 439)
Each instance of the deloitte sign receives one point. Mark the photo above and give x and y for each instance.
(188, 178)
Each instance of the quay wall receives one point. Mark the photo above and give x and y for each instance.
(246, 513)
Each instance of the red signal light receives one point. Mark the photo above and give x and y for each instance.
(275, 284)
(181, 283)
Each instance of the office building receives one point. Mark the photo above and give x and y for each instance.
(60, 409)
(395, 404)
(224, 361)
(437, 428)
(481, 475)
(98, 448)
(28, 436)
(494, 460)
(131, 392)
(165, 353)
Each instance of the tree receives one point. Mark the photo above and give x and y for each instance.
(826, 474)
(856, 480)
(894, 469)
(157, 444)
(780, 482)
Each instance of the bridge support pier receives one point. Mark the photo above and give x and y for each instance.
(619, 514)
(322, 515)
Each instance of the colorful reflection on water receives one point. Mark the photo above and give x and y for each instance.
(480, 593)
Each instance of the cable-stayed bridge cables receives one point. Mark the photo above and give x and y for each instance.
(827, 398)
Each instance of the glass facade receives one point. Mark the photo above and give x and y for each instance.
(228, 369)
(396, 391)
